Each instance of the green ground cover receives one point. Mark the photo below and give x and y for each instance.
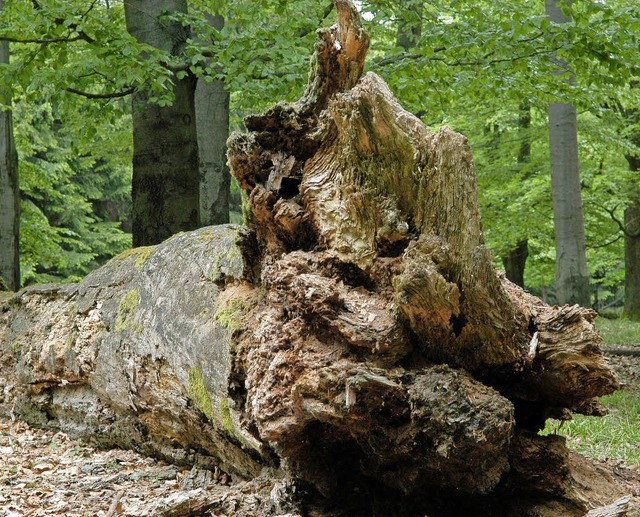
(616, 435)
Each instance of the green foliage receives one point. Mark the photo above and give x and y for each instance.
(75, 187)
(473, 66)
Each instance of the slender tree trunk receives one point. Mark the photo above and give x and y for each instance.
(572, 276)
(632, 251)
(212, 119)
(9, 192)
(165, 187)
(409, 24)
(515, 259)
(514, 262)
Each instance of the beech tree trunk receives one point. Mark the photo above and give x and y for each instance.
(515, 259)
(9, 191)
(352, 350)
(572, 276)
(212, 118)
(632, 251)
(165, 186)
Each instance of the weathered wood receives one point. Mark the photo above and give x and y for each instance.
(137, 354)
(355, 337)
(618, 508)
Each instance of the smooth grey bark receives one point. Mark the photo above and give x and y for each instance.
(515, 260)
(572, 275)
(165, 187)
(632, 250)
(212, 120)
(9, 192)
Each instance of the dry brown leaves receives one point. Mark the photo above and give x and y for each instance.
(47, 473)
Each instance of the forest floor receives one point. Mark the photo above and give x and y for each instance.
(46, 473)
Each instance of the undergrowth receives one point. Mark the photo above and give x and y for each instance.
(620, 331)
(616, 435)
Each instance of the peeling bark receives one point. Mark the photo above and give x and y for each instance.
(355, 338)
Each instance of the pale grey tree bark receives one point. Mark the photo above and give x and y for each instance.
(212, 120)
(572, 275)
(631, 228)
(9, 193)
(165, 187)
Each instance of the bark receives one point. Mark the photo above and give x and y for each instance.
(632, 260)
(572, 276)
(515, 259)
(212, 119)
(165, 187)
(409, 24)
(353, 342)
(632, 251)
(9, 193)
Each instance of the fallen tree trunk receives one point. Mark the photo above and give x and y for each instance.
(354, 337)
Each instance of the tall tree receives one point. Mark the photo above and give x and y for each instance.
(9, 195)
(165, 186)
(515, 259)
(572, 275)
(409, 27)
(631, 229)
(212, 120)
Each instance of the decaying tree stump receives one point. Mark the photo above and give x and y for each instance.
(355, 338)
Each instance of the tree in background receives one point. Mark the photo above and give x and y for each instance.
(572, 275)
(515, 259)
(9, 194)
(165, 189)
(631, 231)
(212, 121)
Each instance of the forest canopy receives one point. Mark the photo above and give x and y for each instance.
(487, 69)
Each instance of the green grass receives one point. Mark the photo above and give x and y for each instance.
(616, 435)
(619, 331)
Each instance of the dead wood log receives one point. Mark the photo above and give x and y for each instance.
(355, 336)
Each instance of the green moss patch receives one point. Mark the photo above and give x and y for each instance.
(225, 416)
(229, 313)
(199, 395)
(127, 309)
(142, 254)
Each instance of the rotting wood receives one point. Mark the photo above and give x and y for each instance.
(355, 337)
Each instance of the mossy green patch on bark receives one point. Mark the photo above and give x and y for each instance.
(208, 236)
(247, 214)
(142, 254)
(71, 339)
(229, 313)
(199, 395)
(127, 309)
(225, 416)
(223, 263)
